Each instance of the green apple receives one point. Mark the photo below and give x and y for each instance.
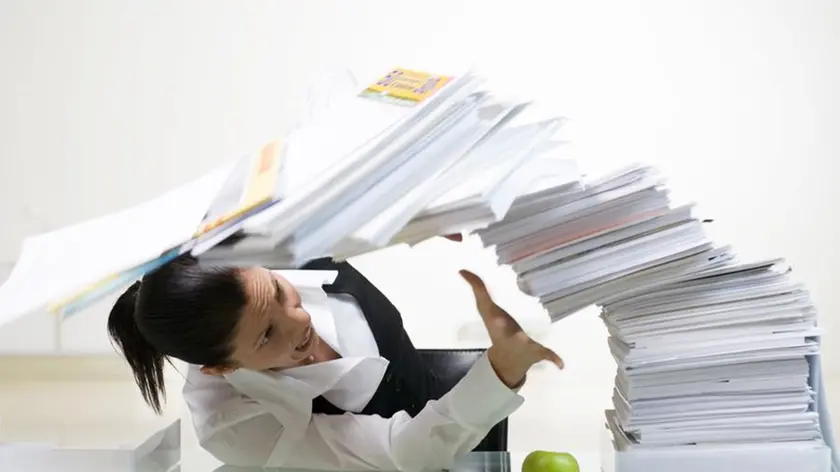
(546, 461)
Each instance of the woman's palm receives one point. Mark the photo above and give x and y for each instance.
(504, 331)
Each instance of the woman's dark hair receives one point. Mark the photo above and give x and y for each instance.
(182, 310)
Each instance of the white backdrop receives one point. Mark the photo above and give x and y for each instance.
(104, 102)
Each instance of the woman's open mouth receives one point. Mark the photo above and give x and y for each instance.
(307, 340)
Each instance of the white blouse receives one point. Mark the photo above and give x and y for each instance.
(265, 419)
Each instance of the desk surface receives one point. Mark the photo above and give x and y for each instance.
(200, 461)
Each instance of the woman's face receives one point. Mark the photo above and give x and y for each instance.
(274, 331)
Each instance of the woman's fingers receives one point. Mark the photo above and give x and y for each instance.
(493, 317)
(504, 330)
(496, 319)
(551, 356)
(475, 281)
(482, 296)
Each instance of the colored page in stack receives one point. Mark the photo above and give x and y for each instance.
(625, 232)
(595, 211)
(255, 183)
(546, 205)
(333, 153)
(573, 249)
(96, 257)
(604, 262)
(518, 235)
(542, 268)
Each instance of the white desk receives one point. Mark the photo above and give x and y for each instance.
(200, 461)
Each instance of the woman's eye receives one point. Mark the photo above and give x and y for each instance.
(267, 336)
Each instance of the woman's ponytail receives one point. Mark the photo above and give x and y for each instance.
(183, 311)
(145, 361)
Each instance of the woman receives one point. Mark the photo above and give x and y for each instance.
(312, 368)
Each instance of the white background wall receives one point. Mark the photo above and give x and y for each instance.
(104, 103)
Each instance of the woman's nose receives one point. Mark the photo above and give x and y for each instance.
(301, 318)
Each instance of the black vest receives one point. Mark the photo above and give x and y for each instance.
(408, 383)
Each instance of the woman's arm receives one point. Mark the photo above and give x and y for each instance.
(239, 431)
(442, 431)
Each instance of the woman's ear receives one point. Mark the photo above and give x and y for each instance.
(218, 370)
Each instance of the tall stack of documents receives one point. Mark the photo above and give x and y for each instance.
(718, 357)
(718, 364)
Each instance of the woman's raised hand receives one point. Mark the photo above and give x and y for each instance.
(512, 352)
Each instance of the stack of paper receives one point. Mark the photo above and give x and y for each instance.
(715, 357)
(338, 168)
(465, 179)
(357, 176)
(410, 156)
(572, 245)
(498, 177)
(719, 356)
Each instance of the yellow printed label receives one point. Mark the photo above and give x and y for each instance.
(407, 85)
(259, 189)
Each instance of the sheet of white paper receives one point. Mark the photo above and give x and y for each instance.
(55, 265)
